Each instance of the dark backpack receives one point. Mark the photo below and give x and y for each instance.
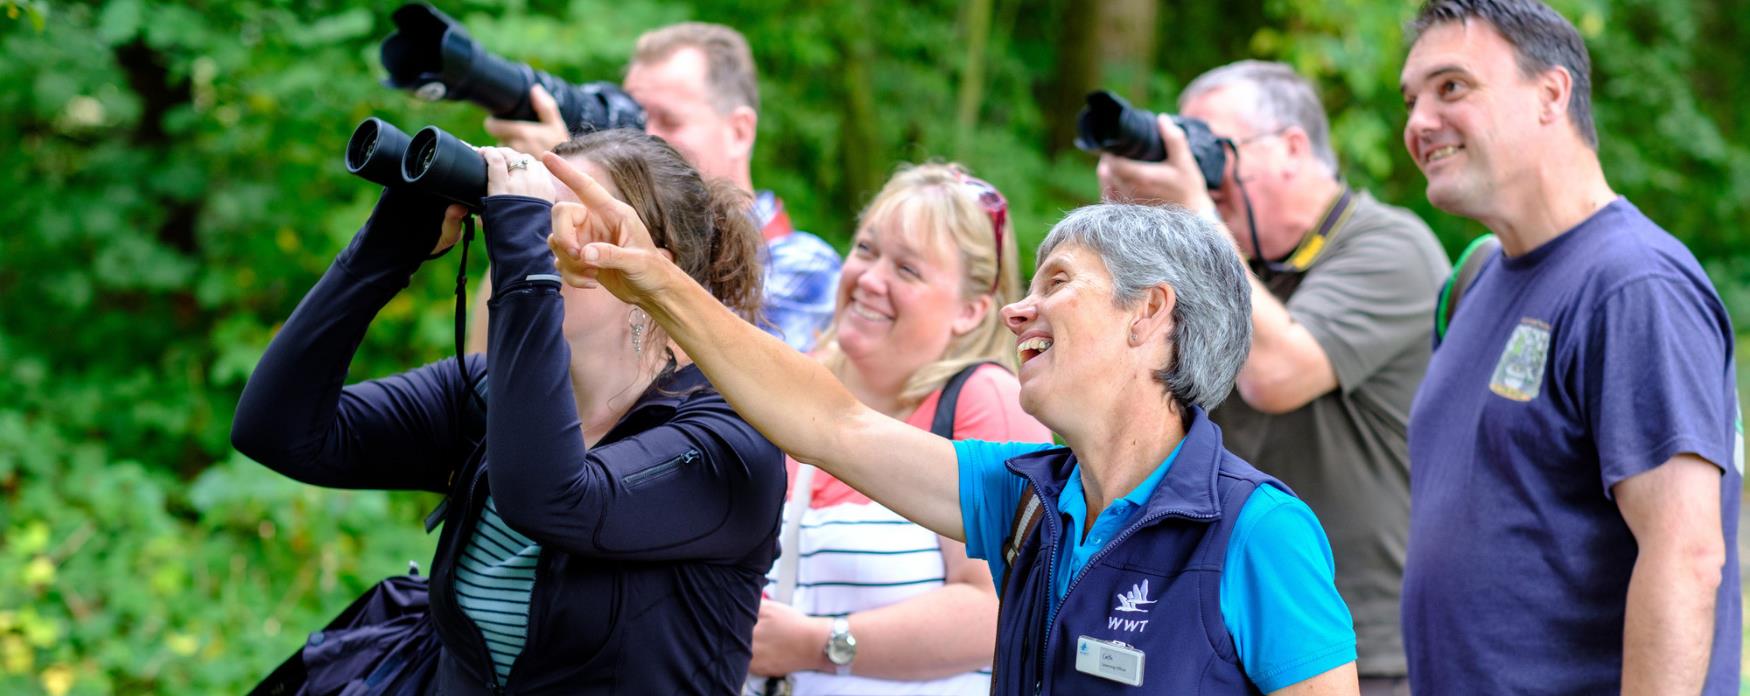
(384, 642)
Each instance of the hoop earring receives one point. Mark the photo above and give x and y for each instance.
(637, 319)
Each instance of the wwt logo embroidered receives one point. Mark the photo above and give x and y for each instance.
(1131, 602)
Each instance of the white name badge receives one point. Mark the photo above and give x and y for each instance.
(1109, 659)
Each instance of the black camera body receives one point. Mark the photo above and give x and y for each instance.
(432, 161)
(1110, 124)
(431, 55)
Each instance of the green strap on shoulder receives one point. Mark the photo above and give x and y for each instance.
(1464, 272)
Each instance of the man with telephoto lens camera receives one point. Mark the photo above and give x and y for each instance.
(699, 86)
(1343, 297)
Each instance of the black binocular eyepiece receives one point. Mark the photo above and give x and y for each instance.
(1110, 124)
(438, 162)
(374, 152)
(432, 161)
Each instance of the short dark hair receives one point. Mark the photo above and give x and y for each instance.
(1541, 38)
(729, 69)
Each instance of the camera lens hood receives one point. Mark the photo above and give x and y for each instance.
(421, 53)
(375, 151)
(1110, 124)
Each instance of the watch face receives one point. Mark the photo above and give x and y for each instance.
(841, 648)
(839, 653)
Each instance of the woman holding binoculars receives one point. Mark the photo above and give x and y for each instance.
(613, 530)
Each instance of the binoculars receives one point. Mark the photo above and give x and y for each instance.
(432, 161)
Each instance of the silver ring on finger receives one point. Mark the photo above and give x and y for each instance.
(519, 163)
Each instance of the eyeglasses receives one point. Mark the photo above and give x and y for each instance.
(996, 207)
(1259, 136)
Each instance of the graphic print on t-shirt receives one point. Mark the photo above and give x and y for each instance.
(1519, 374)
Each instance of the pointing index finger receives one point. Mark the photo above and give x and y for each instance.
(591, 193)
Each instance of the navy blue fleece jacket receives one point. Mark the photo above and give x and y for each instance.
(655, 541)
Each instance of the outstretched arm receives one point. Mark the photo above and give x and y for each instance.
(788, 397)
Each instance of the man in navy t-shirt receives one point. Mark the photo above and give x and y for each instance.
(1576, 448)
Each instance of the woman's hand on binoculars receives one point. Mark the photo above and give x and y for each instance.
(452, 228)
(512, 173)
(600, 242)
(532, 137)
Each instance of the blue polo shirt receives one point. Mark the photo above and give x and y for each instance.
(1278, 593)
(1112, 520)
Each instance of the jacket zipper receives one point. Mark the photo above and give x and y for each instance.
(473, 496)
(1051, 613)
(529, 625)
(1054, 518)
(656, 471)
(463, 529)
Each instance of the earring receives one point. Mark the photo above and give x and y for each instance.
(636, 318)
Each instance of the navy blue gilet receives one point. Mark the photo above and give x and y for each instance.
(1177, 544)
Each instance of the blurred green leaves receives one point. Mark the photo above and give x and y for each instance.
(173, 185)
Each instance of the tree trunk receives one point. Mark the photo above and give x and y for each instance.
(976, 23)
(1106, 44)
(858, 138)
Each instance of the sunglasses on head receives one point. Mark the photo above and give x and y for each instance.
(996, 207)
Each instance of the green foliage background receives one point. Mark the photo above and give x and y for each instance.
(173, 185)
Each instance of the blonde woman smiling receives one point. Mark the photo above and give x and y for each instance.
(881, 605)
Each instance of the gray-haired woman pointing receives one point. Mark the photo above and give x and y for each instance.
(1160, 560)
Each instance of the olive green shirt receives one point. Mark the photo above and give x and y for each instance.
(1368, 299)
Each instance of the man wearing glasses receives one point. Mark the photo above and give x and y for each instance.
(1343, 297)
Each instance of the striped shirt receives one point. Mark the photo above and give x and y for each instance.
(493, 583)
(861, 556)
(856, 554)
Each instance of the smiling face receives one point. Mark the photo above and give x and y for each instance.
(902, 295)
(1070, 336)
(1473, 125)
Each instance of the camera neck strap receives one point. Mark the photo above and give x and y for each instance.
(1314, 242)
(1310, 246)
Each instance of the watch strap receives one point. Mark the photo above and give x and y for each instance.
(845, 643)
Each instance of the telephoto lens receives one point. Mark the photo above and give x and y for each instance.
(436, 162)
(1110, 124)
(375, 151)
(431, 55)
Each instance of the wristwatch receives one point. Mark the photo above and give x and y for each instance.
(841, 647)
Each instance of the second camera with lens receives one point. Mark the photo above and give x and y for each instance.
(1109, 124)
(431, 55)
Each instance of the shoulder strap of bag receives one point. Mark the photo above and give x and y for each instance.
(1464, 272)
(1028, 512)
(474, 413)
(474, 429)
(790, 540)
(942, 424)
